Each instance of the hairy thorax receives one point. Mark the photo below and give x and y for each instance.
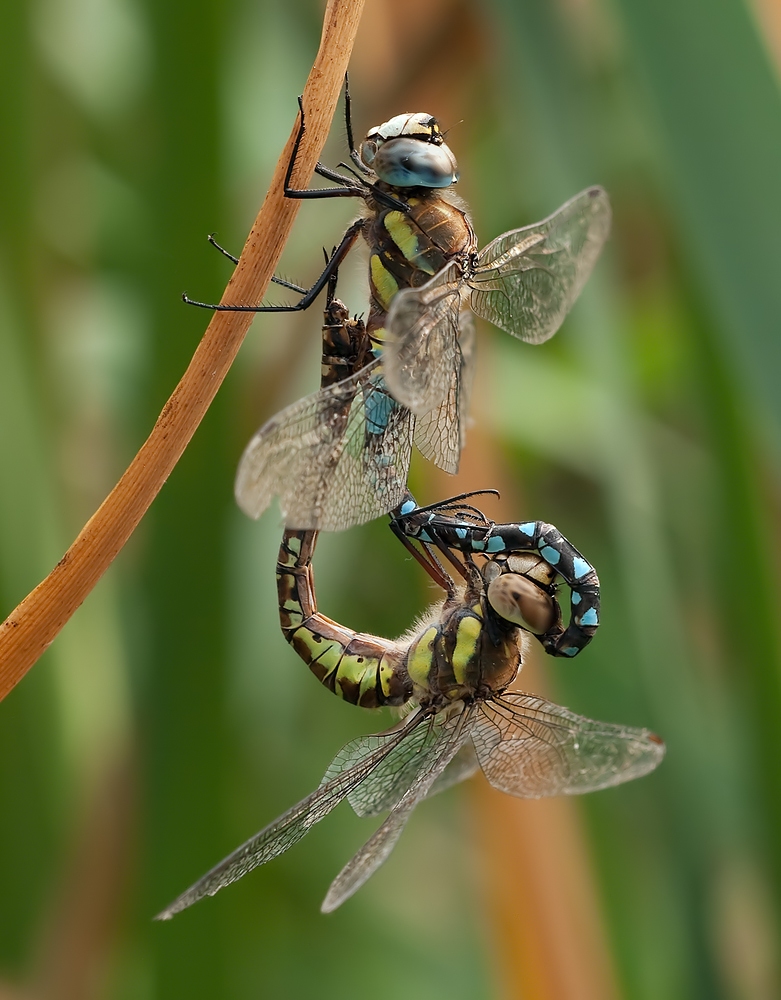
(467, 653)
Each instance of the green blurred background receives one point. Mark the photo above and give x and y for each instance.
(169, 721)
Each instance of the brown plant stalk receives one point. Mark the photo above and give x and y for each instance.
(35, 623)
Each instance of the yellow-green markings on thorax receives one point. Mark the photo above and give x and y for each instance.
(468, 634)
(385, 285)
(406, 235)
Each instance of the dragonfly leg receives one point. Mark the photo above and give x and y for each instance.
(310, 294)
(427, 560)
(348, 124)
(222, 250)
(348, 188)
(277, 280)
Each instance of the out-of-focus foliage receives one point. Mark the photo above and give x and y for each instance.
(170, 720)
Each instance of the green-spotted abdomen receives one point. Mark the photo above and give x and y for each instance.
(362, 669)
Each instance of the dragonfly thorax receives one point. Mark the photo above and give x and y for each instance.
(410, 151)
(468, 654)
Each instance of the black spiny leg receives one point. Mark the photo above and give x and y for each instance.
(428, 561)
(277, 281)
(309, 295)
(348, 122)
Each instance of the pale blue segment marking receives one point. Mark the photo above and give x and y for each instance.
(550, 555)
(424, 536)
(528, 528)
(571, 651)
(590, 617)
(461, 533)
(378, 411)
(408, 506)
(478, 544)
(580, 567)
(576, 597)
(495, 544)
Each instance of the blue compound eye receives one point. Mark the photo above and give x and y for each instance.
(405, 162)
(522, 602)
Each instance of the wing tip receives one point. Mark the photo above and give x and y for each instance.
(169, 912)
(330, 903)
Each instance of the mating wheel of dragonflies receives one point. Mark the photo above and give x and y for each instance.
(452, 673)
(425, 274)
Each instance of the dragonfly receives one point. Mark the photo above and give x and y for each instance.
(426, 276)
(452, 675)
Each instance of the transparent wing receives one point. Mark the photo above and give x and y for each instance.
(531, 748)
(421, 357)
(526, 281)
(382, 789)
(291, 826)
(461, 767)
(451, 735)
(440, 433)
(336, 458)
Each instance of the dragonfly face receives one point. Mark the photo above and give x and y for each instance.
(410, 151)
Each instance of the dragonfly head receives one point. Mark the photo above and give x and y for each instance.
(410, 151)
(520, 601)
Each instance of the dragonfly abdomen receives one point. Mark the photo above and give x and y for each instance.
(362, 669)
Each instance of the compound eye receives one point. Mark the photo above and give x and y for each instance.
(405, 162)
(368, 151)
(522, 602)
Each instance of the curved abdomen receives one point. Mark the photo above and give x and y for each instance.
(362, 669)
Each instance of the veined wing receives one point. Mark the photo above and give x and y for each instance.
(440, 433)
(421, 355)
(291, 826)
(382, 789)
(336, 458)
(452, 734)
(527, 280)
(531, 748)
(460, 768)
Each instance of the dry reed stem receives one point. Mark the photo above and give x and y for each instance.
(35, 623)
